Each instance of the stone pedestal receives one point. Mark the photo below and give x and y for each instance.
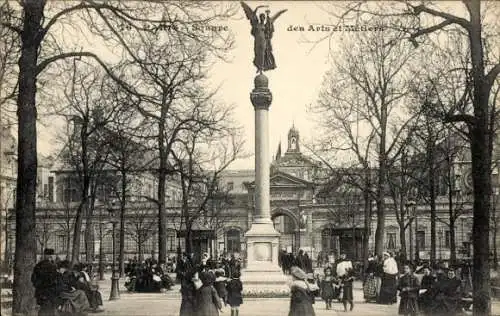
(262, 275)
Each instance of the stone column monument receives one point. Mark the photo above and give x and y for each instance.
(262, 238)
(262, 273)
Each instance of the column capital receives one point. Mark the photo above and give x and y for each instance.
(261, 96)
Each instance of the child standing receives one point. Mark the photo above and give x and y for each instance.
(234, 296)
(347, 296)
(327, 288)
(220, 285)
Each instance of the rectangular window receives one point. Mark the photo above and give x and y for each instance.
(447, 239)
(74, 195)
(391, 240)
(421, 239)
(230, 186)
(60, 244)
(51, 189)
(45, 191)
(171, 242)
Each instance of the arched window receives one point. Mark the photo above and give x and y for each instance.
(233, 241)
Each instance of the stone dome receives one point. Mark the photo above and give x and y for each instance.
(261, 81)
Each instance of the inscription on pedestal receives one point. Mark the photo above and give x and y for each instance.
(262, 251)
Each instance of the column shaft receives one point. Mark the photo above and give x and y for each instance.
(262, 198)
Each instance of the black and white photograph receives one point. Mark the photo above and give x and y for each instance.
(249, 158)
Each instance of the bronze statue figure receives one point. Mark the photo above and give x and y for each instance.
(262, 31)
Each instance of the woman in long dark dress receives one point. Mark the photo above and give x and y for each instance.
(426, 291)
(347, 295)
(209, 303)
(370, 283)
(188, 294)
(448, 295)
(301, 299)
(388, 288)
(74, 302)
(408, 290)
(84, 283)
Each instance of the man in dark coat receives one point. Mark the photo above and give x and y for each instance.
(301, 260)
(44, 279)
(308, 263)
(281, 259)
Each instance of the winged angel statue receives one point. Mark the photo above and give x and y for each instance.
(262, 31)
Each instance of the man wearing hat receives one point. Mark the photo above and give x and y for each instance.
(44, 280)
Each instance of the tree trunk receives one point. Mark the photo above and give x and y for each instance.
(122, 222)
(189, 241)
(402, 238)
(139, 246)
(481, 169)
(495, 249)
(382, 156)
(101, 251)
(162, 178)
(68, 242)
(431, 145)
(75, 253)
(89, 237)
(25, 253)
(453, 246)
(367, 232)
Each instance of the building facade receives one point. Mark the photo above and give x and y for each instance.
(332, 225)
(8, 172)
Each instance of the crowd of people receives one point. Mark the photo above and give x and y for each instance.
(208, 285)
(147, 276)
(438, 291)
(287, 260)
(61, 289)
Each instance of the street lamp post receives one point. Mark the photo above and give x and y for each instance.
(115, 291)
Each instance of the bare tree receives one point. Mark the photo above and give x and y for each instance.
(9, 54)
(400, 188)
(45, 226)
(357, 97)
(200, 170)
(140, 227)
(452, 147)
(34, 24)
(348, 211)
(219, 212)
(360, 176)
(427, 21)
(88, 110)
(68, 221)
(128, 157)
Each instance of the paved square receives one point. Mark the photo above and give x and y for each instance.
(168, 304)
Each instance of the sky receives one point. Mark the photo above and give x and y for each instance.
(295, 83)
